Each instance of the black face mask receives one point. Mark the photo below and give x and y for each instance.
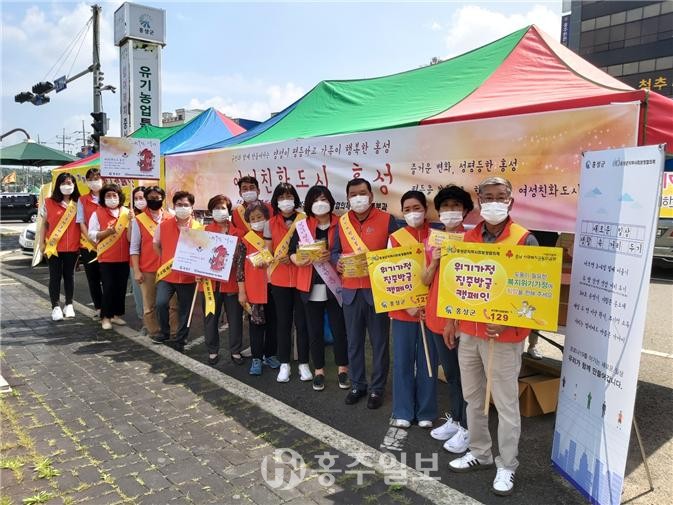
(155, 204)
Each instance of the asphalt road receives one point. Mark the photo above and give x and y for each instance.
(537, 483)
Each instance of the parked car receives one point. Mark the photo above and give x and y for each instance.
(27, 238)
(18, 206)
(663, 244)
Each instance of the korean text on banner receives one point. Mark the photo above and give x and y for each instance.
(612, 256)
(502, 284)
(132, 158)
(205, 254)
(396, 278)
(667, 196)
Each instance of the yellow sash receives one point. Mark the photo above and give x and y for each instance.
(59, 230)
(284, 244)
(208, 295)
(122, 223)
(255, 240)
(85, 243)
(241, 213)
(166, 268)
(149, 223)
(354, 240)
(516, 233)
(404, 237)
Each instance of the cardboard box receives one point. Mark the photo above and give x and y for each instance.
(538, 394)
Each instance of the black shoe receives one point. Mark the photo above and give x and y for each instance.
(354, 396)
(178, 346)
(318, 382)
(374, 401)
(159, 339)
(344, 383)
(238, 360)
(213, 361)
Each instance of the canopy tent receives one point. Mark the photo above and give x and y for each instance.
(30, 153)
(521, 73)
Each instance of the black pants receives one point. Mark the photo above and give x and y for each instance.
(315, 321)
(263, 341)
(115, 277)
(185, 294)
(288, 309)
(93, 277)
(234, 313)
(62, 267)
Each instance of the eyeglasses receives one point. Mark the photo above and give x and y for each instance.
(491, 199)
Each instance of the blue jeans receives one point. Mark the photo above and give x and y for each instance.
(414, 391)
(448, 358)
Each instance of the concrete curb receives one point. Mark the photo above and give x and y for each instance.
(417, 482)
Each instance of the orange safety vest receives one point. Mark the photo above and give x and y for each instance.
(374, 233)
(513, 234)
(69, 241)
(305, 273)
(282, 275)
(119, 251)
(230, 286)
(169, 235)
(420, 236)
(89, 207)
(255, 278)
(148, 259)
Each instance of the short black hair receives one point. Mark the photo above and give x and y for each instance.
(179, 195)
(56, 194)
(91, 171)
(416, 195)
(453, 192)
(249, 179)
(155, 189)
(252, 207)
(356, 182)
(313, 193)
(111, 187)
(281, 189)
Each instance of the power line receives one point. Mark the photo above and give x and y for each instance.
(66, 52)
(80, 47)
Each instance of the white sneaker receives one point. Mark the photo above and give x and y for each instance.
(458, 443)
(246, 353)
(305, 374)
(57, 314)
(446, 430)
(534, 353)
(468, 463)
(503, 484)
(425, 424)
(69, 311)
(118, 321)
(284, 373)
(400, 423)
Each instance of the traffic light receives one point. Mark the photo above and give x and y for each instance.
(43, 87)
(25, 96)
(98, 79)
(40, 99)
(99, 126)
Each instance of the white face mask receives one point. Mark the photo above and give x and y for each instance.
(220, 215)
(95, 185)
(494, 212)
(258, 226)
(451, 218)
(67, 189)
(140, 204)
(320, 208)
(414, 219)
(183, 212)
(359, 203)
(286, 205)
(249, 196)
(112, 203)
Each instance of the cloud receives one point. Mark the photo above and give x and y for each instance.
(473, 26)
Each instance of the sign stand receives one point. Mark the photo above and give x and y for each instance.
(642, 454)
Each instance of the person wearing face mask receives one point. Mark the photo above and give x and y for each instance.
(495, 202)
(248, 189)
(414, 391)
(254, 292)
(60, 242)
(364, 228)
(452, 203)
(320, 286)
(226, 293)
(170, 283)
(139, 205)
(107, 229)
(86, 207)
(283, 279)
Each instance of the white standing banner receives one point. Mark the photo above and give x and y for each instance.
(615, 231)
(130, 158)
(205, 254)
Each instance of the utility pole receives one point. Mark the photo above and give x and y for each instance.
(97, 102)
(62, 139)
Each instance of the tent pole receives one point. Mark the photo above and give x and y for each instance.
(645, 107)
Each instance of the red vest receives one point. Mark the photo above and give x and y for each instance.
(148, 259)
(421, 236)
(89, 207)
(305, 273)
(69, 241)
(255, 278)
(169, 234)
(240, 223)
(374, 233)
(282, 275)
(230, 286)
(511, 334)
(119, 252)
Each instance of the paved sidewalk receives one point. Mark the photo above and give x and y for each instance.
(120, 423)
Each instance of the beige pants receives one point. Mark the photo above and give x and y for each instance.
(149, 291)
(473, 360)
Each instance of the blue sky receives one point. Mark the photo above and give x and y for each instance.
(246, 59)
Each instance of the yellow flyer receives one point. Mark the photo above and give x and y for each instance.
(311, 252)
(438, 238)
(260, 258)
(501, 284)
(355, 265)
(396, 277)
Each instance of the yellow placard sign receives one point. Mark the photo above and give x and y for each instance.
(396, 278)
(512, 285)
(666, 209)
